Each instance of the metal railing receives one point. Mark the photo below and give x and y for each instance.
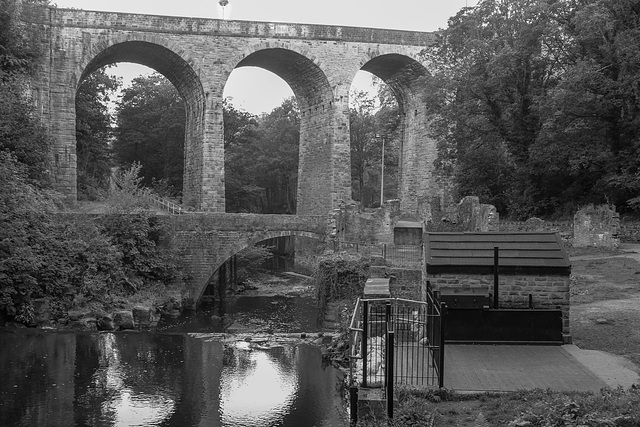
(396, 341)
(147, 194)
(395, 255)
(418, 342)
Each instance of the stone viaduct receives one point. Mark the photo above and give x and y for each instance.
(197, 55)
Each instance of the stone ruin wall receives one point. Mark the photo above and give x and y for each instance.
(596, 226)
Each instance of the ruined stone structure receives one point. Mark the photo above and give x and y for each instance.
(206, 241)
(596, 226)
(197, 55)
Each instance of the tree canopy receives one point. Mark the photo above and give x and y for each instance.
(151, 130)
(534, 103)
(93, 133)
(261, 159)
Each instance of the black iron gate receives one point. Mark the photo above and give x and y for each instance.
(397, 341)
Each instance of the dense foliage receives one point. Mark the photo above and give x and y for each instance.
(374, 125)
(261, 159)
(93, 134)
(535, 103)
(65, 259)
(151, 131)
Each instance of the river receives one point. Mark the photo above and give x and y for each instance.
(172, 376)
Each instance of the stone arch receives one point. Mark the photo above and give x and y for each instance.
(323, 167)
(403, 73)
(240, 244)
(171, 62)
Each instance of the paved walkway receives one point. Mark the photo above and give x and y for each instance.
(522, 367)
(559, 368)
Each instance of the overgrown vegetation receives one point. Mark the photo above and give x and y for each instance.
(340, 276)
(537, 408)
(68, 260)
(73, 260)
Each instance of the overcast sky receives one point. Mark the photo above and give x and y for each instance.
(416, 15)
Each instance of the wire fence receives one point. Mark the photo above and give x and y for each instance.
(408, 256)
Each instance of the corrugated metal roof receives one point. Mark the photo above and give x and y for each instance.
(535, 250)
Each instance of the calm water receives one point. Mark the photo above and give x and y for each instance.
(162, 379)
(259, 313)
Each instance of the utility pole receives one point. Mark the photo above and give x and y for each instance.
(382, 175)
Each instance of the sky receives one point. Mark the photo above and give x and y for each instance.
(244, 83)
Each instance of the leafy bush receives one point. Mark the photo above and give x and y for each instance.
(73, 259)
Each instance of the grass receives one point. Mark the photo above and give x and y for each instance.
(605, 305)
(526, 408)
(605, 316)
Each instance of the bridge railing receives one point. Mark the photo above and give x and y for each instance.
(396, 255)
(145, 193)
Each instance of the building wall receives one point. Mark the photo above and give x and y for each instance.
(405, 283)
(549, 292)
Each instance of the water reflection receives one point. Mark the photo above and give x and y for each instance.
(151, 379)
(258, 387)
(126, 406)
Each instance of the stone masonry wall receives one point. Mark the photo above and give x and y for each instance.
(355, 226)
(549, 292)
(197, 55)
(206, 241)
(404, 283)
(596, 226)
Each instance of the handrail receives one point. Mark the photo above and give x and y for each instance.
(146, 193)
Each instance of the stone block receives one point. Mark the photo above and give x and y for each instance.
(123, 320)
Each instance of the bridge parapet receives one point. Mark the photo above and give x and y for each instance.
(205, 26)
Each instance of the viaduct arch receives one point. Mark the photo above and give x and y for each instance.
(197, 55)
(206, 241)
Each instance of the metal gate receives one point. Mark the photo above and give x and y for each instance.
(397, 341)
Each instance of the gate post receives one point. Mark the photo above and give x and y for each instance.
(353, 398)
(390, 367)
(365, 337)
(443, 310)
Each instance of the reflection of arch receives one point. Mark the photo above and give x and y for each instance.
(241, 244)
(323, 153)
(162, 57)
(418, 152)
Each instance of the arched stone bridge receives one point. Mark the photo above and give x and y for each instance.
(207, 240)
(197, 55)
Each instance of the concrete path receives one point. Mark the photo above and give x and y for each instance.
(520, 367)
